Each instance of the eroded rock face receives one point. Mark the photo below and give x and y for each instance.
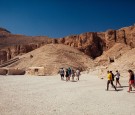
(110, 38)
(13, 51)
(121, 36)
(94, 43)
(130, 36)
(26, 48)
(124, 35)
(3, 56)
(91, 43)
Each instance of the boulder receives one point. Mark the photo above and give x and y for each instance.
(3, 71)
(16, 71)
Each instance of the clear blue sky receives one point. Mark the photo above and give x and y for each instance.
(59, 18)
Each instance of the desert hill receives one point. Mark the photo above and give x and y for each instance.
(102, 49)
(53, 57)
(124, 63)
(123, 57)
(12, 45)
(113, 53)
(91, 43)
(7, 39)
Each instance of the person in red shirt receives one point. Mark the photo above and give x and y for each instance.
(131, 80)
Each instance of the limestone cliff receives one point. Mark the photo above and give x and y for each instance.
(91, 43)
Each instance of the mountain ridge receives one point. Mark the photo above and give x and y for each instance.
(98, 46)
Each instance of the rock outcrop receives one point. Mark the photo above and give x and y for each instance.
(3, 56)
(94, 43)
(91, 43)
(12, 45)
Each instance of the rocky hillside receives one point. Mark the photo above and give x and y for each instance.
(12, 45)
(125, 62)
(113, 53)
(91, 43)
(96, 45)
(53, 57)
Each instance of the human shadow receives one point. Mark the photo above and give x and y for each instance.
(73, 81)
(119, 89)
(132, 92)
(115, 90)
(124, 86)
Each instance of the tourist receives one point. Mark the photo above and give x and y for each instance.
(73, 74)
(117, 75)
(67, 75)
(61, 71)
(78, 74)
(131, 80)
(109, 77)
(112, 75)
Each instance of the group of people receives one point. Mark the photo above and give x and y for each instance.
(68, 73)
(71, 73)
(111, 76)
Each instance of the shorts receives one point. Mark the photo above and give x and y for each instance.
(131, 82)
(117, 79)
(67, 75)
(62, 75)
(73, 75)
(77, 75)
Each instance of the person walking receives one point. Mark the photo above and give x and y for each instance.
(112, 75)
(61, 71)
(109, 77)
(67, 75)
(131, 80)
(78, 74)
(117, 75)
(73, 74)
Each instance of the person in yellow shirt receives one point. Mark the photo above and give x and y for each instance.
(109, 77)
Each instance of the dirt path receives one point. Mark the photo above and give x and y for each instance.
(23, 95)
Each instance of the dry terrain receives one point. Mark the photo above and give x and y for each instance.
(48, 95)
(125, 62)
(124, 58)
(88, 51)
(53, 57)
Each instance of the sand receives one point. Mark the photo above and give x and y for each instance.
(48, 95)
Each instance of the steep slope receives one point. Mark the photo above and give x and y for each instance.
(53, 57)
(93, 44)
(115, 52)
(124, 63)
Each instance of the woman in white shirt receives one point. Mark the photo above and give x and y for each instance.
(117, 75)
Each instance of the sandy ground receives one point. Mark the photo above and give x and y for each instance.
(33, 95)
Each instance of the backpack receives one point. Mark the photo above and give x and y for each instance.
(69, 71)
(112, 77)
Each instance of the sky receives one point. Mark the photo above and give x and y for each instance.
(60, 18)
